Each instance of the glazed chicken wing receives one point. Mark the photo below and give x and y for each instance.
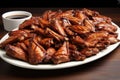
(89, 51)
(9, 40)
(36, 52)
(58, 27)
(49, 54)
(14, 36)
(112, 38)
(16, 52)
(76, 55)
(34, 21)
(94, 38)
(80, 14)
(46, 42)
(80, 29)
(53, 34)
(62, 54)
(106, 27)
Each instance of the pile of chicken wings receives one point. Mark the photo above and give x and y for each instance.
(61, 36)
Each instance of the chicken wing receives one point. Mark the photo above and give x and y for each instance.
(16, 52)
(49, 55)
(14, 37)
(76, 55)
(36, 52)
(58, 27)
(10, 40)
(62, 54)
(79, 14)
(46, 42)
(34, 21)
(106, 27)
(80, 29)
(89, 51)
(112, 38)
(53, 34)
(94, 38)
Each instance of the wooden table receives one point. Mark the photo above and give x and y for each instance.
(106, 68)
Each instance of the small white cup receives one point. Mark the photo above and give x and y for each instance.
(13, 19)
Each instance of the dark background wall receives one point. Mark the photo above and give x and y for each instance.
(59, 3)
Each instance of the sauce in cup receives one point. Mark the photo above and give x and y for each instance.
(13, 19)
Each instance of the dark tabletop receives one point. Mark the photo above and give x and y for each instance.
(105, 68)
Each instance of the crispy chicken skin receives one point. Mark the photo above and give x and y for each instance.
(49, 54)
(58, 27)
(15, 36)
(76, 55)
(61, 36)
(62, 54)
(106, 27)
(112, 38)
(46, 42)
(94, 38)
(9, 40)
(69, 32)
(22, 45)
(34, 20)
(38, 30)
(78, 40)
(79, 14)
(89, 51)
(53, 34)
(36, 52)
(16, 52)
(80, 29)
(65, 23)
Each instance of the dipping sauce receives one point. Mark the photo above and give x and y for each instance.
(17, 16)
